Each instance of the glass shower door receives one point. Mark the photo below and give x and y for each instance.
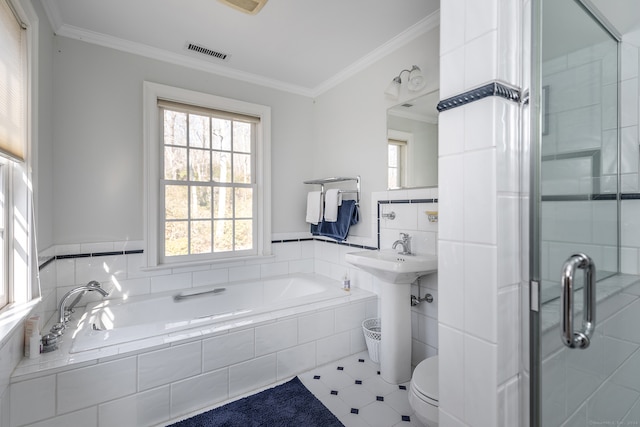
(575, 210)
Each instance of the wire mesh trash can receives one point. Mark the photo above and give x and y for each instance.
(372, 335)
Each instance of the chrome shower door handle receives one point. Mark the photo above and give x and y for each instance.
(570, 338)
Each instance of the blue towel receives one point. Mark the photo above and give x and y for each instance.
(339, 230)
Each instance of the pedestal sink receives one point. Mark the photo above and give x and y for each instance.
(395, 272)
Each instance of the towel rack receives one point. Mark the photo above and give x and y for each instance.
(331, 180)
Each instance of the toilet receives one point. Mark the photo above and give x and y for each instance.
(423, 392)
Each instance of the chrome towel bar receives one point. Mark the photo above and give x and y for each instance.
(183, 296)
(331, 180)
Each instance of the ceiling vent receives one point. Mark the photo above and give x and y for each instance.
(247, 6)
(206, 51)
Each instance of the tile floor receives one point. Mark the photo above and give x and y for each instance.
(354, 391)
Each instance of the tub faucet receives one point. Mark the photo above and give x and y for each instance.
(65, 312)
(405, 241)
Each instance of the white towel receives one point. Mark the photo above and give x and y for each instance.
(332, 200)
(314, 207)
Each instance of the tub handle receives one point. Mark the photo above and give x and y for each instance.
(182, 296)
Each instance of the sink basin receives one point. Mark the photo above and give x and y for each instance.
(392, 267)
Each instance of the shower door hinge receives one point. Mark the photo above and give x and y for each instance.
(534, 293)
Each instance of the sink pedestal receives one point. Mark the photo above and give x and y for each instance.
(395, 272)
(395, 343)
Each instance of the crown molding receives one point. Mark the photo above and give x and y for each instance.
(177, 59)
(427, 24)
(53, 15)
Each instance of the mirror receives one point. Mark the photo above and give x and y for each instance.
(412, 135)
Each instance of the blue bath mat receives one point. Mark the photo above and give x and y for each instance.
(287, 405)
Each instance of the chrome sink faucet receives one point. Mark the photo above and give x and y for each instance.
(405, 241)
(65, 312)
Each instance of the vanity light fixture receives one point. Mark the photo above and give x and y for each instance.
(415, 82)
(247, 6)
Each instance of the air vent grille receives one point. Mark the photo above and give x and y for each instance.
(206, 51)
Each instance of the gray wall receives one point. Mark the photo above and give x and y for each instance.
(97, 148)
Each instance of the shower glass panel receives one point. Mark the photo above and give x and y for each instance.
(576, 205)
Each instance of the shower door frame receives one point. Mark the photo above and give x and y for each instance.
(533, 100)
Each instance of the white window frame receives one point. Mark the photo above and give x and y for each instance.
(407, 138)
(152, 173)
(21, 257)
(5, 237)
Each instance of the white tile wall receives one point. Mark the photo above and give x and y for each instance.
(252, 374)
(228, 349)
(31, 400)
(146, 408)
(86, 417)
(199, 392)
(109, 380)
(479, 177)
(480, 392)
(333, 347)
(452, 367)
(479, 247)
(295, 360)
(315, 326)
(480, 291)
(175, 363)
(151, 387)
(279, 335)
(450, 182)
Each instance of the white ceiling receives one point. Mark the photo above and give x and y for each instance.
(302, 46)
(297, 45)
(623, 14)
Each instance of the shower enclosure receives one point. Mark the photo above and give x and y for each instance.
(584, 344)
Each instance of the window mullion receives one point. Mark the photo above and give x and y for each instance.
(236, 215)
(188, 147)
(211, 186)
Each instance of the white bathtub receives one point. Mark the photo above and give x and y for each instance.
(118, 321)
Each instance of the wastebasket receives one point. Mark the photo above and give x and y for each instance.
(372, 335)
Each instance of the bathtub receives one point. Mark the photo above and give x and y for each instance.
(171, 316)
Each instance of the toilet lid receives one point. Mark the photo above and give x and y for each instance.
(425, 378)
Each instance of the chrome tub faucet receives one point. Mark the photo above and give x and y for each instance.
(65, 312)
(405, 241)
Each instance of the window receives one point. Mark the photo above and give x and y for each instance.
(207, 181)
(20, 290)
(207, 177)
(4, 296)
(396, 159)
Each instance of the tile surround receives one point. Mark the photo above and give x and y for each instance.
(282, 357)
(453, 36)
(168, 377)
(481, 139)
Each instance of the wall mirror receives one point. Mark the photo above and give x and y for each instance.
(412, 143)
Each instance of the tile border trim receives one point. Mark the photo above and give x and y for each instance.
(50, 259)
(42, 264)
(333, 242)
(590, 197)
(491, 89)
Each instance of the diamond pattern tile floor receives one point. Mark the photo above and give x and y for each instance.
(354, 391)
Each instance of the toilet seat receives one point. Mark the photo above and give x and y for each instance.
(425, 380)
